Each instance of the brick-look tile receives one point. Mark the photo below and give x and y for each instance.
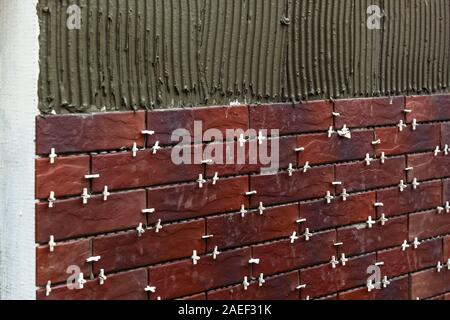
(283, 256)
(70, 218)
(189, 201)
(428, 108)
(426, 196)
(394, 142)
(360, 239)
(358, 176)
(182, 278)
(320, 149)
(234, 231)
(66, 177)
(292, 118)
(280, 188)
(427, 166)
(128, 251)
(429, 224)
(124, 286)
(446, 248)
(166, 122)
(429, 283)
(397, 290)
(369, 112)
(398, 262)
(252, 158)
(324, 280)
(276, 288)
(84, 133)
(52, 266)
(121, 171)
(320, 215)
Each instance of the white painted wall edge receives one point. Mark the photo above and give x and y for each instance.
(19, 70)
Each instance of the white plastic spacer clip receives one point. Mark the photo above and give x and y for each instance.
(215, 178)
(150, 211)
(368, 159)
(370, 223)
(216, 252)
(334, 262)
(261, 280)
(91, 176)
(329, 197)
(290, 170)
(405, 245)
(261, 208)
(106, 193)
(135, 150)
(150, 289)
(85, 196)
(148, 132)
(102, 277)
(246, 284)
(254, 261)
(93, 259)
(140, 229)
(156, 148)
(243, 211)
(344, 259)
(195, 258)
(158, 226)
(53, 156)
(48, 288)
(251, 193)
(52, 244)
(51, 199)
(201, 181)
(301, 149)
(306, 167)
(294, 237)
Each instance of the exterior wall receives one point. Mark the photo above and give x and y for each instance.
(101, 144)
(18, 107)
(130, 55)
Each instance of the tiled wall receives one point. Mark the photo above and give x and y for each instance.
(388, 184)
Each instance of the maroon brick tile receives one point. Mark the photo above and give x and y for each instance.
(277, 288)
(393, 142)
(94, 132)
(428, 108)
(398, 262)
(427, 166)
(182, 278)
(52, 266)
(232, 160)
(124, 286)
(429, 283)
(165, 122)
(66, 177)
(358, 176)
(320, 149)
(234, 231)
(280, 188)
(369, 112)
(397, 290)
(324, 280)
(292, 118)
(128, 251)
(70, 218)
(121, 171)
(283, 256)
(320, 215)
(446, 248)
(428, 195)
(428, 224)
(360, 239)
(189, 201)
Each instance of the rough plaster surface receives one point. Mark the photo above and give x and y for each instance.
(19, 70)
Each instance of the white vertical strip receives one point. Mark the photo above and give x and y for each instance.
(19, 69)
